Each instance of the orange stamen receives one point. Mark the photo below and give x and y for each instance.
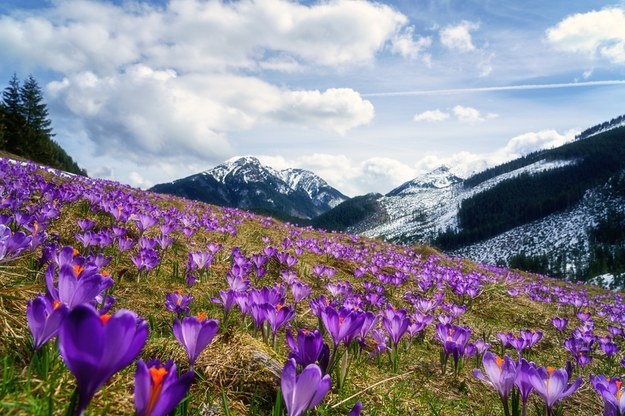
(619, 392)
(35, 226)
(56, 304)
(499, 362)
(157, 375)
(78, 269)
(105, 318)
(75, 252)
(341, 319)
(278, 307)
(201, 316)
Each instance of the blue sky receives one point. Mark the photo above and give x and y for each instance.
(366, 94)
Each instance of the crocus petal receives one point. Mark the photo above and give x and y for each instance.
(142, 387)
(287, 385)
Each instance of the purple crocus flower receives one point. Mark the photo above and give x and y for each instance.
(12, 244)
(277, 316)
(454, 339)
(227, 298)
(560, 323)
(531, 337)
(177, 302)
(195, 333)
(500, 374)
(380, 340)
(552, 385)
(95, 347)
(305, 391)
(300, 291)
(158, 389)
(355, 410)
(77, 284)
(309, 348)
(523, 383)
(343, 325)
(44, 319)
(396, 326)
(611, 392)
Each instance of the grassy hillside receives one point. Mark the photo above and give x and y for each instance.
(152, 245)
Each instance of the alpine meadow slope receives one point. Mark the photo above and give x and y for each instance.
(154, 300)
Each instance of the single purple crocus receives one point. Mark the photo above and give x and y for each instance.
(309, 348)
(227, 298)
(611, 392)
(177, 302)
(44, 319)
(552, 385)
(158, 389)
(500, 374)
(304, 391)
(12, 244)
(396, 326)
(300, 291)
(95, 347)
(523, 383)
(195, 333)
(560, 323)
(277, 316)
(343, 325)
(77, 283)
(355, 410)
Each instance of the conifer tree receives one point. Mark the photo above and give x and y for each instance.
(34, 110)
(13, 121)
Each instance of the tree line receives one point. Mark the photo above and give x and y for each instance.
(26, 128)
(526, 197)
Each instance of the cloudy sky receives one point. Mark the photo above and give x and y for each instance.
(366, 94)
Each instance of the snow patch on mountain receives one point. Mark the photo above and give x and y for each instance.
(248, 169)
(424, 206)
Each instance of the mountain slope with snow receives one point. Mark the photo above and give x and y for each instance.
(244, 182)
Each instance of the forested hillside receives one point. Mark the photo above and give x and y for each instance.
(525, 197)
(26, 129)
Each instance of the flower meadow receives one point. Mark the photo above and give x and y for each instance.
(118, 301)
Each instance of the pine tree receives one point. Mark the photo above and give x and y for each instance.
(13, 121)
(2, 125)
(34, 110)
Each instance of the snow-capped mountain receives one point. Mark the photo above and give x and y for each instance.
(559, 207)
(244, 182)
(421, 208)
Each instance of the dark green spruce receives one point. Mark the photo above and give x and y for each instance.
(26, 128)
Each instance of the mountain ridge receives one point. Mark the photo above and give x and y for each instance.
(244, 182)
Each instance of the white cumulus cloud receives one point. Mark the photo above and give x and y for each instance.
(470, 114)
(431, 115)
(404, 44)
(458, 37)
(597, 33)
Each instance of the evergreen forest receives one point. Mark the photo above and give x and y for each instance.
(26, 128)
